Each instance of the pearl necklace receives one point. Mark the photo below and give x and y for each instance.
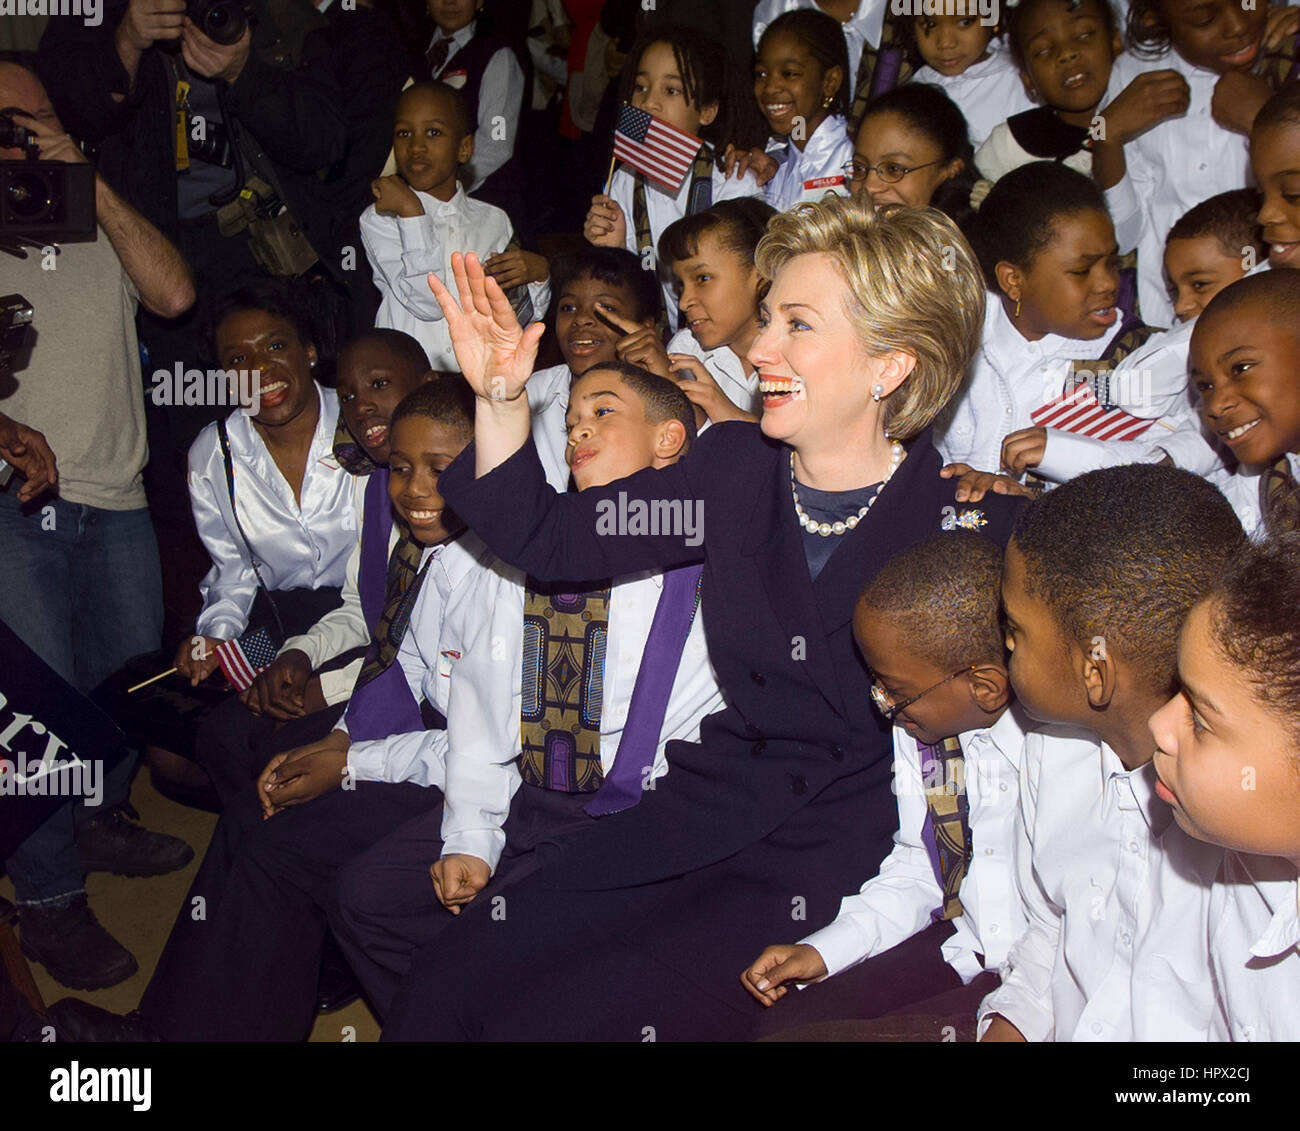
(897, 454)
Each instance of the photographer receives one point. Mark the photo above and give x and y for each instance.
(79, 575)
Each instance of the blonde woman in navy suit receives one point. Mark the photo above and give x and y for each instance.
(639, 929)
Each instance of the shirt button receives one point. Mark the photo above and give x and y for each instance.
(798, 785)
(993, 928)
(1096, 1026)
(1004, 787)
(759, 678)
(757, 748)
(1126, 937)
(837, 752)
(988, 852)
(1132, 846)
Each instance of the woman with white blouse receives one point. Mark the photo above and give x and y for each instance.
(293, 521)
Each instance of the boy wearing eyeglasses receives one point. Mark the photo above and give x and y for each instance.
(943, 908)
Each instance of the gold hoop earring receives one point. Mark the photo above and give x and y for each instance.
(826, 102)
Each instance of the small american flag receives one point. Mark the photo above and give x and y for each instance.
(243, 658)
(1077, 410)
(653, 147)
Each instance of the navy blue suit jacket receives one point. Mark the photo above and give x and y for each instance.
(799, 722)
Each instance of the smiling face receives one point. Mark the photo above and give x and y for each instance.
(421, 450)
(1068, 56)
(1245, 363)
(1197, 269)
(718, 296)
(371, 382)
(790, 83)
(610, 436)
(1045, 668)
(943, 710)
(1227, 763)
(1275, 157)
(815, 376)
(452, 15)
(429, 143)
(258, 340)
(658, 89)
(1219, 35)
(584, 339)
(1070, 286)
(886, 140)
(950, 44)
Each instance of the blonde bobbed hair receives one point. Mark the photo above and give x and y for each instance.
(914, 285)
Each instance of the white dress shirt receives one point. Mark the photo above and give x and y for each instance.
(426, 658)
(863, 28)
(1115, 898)
(726, 368)
(1255, 947)
(821, 168)
(898, 901)
(1241, 488)
(404, 250)
(987, 93)
(664, 209)
(483, 718)
(342, 629)
(548, 401)
(1172, 166)
(299, 544)
(500, 96)
(1012, 376)
(1000, 153)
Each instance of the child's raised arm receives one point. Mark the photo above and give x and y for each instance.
(495, 354)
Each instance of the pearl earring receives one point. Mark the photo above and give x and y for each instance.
(877, 391)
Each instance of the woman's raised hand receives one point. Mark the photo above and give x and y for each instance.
(494, 352)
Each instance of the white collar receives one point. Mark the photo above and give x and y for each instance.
(459, 37)
(1006, 735)
(1283, 931)
(1011, 343)
(435, 207)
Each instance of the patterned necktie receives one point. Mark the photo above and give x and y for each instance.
(436, 55)
(946, 832)
(404, 578)
(1279, 498)
(563, 683)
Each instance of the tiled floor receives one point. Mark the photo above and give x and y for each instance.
(140, 912)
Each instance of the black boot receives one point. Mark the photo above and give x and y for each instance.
(109, 842)
(72, 945)
(77, 1020)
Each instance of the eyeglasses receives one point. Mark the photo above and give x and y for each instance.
(885, 702)
(888, 171)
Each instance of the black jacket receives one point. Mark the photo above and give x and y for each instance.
(799, 721)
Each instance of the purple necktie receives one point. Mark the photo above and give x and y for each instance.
(650, 694)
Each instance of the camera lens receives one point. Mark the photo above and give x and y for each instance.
(222, 21)
(30, 195)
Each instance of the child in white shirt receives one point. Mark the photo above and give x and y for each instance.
(801, 82)
(1053, 321)
(684, 80)
(422, 215)
(1245, 364)
(1228, 761)
(971, 65)
(1178, 112)
(1213, 244)
(928, 627)
(1099, 576)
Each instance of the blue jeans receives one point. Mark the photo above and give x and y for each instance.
(82, 587)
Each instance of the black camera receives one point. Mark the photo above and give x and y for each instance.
(211, 145)
(222, 21)
(42, 201)
(15, 318)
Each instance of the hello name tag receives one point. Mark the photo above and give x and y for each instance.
(454, 79)
(446, 661)
(819, 188)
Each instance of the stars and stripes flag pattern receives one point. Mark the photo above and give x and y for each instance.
(1077, 410)
(243, 658)
(653, 147)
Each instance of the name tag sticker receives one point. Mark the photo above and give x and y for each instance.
(819, 188)
(454, 79)
(446, 660)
